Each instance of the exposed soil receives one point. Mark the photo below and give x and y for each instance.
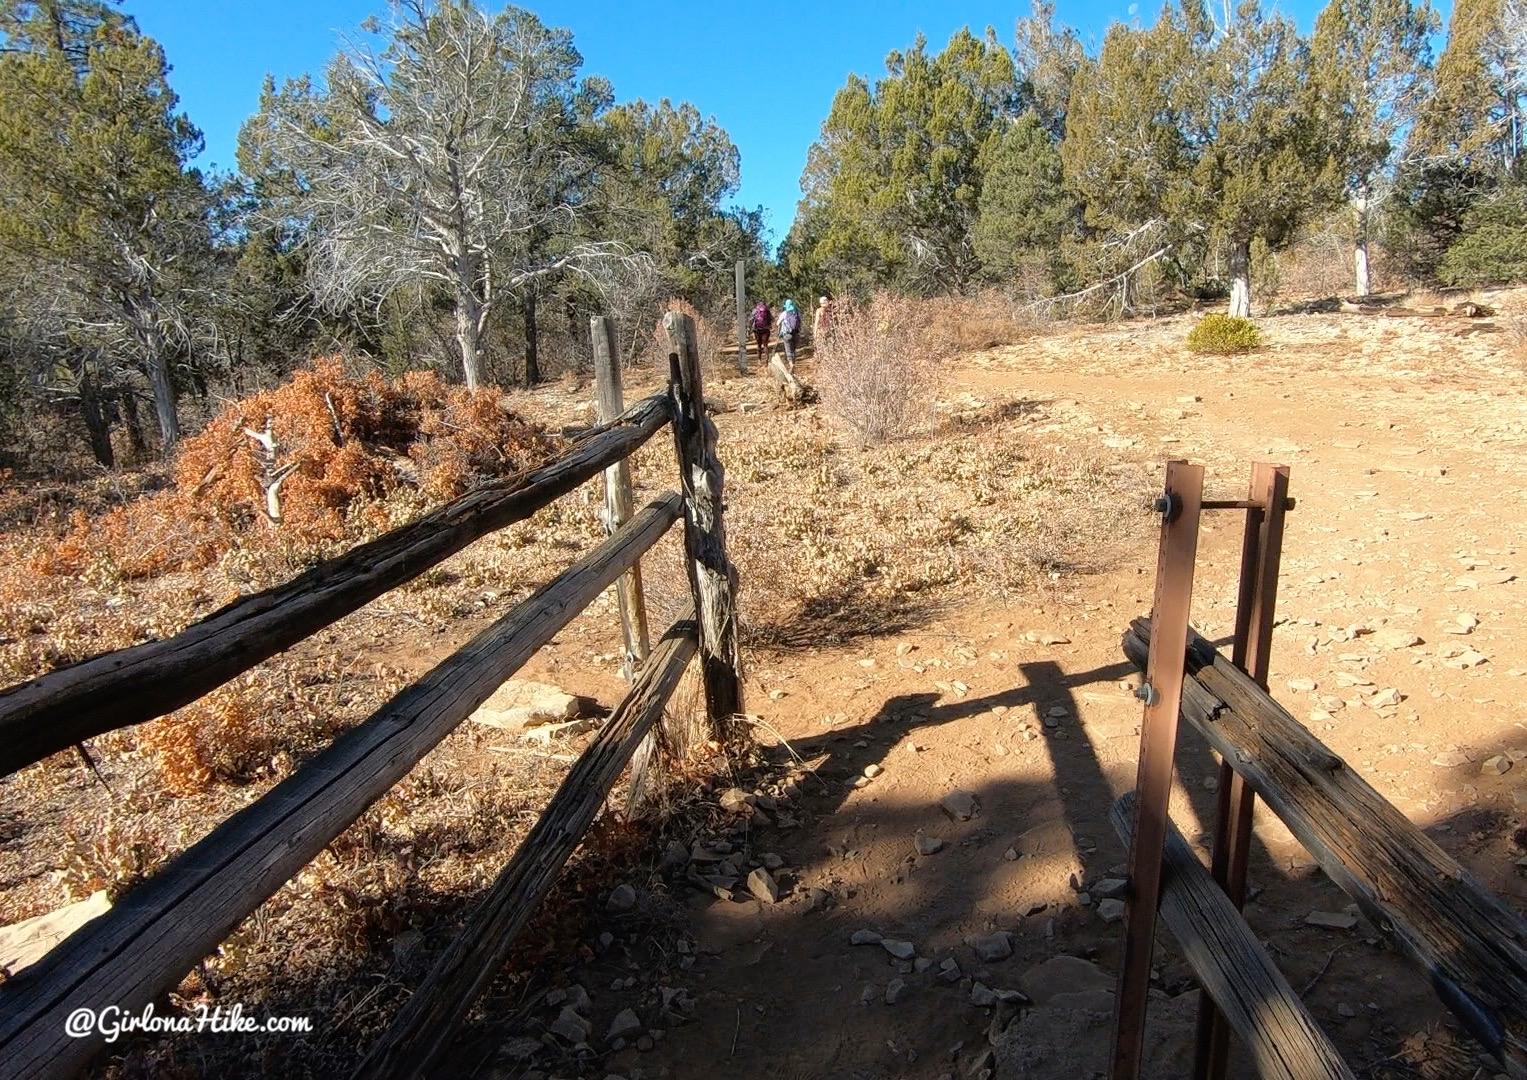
(1407, 441)
(1407, 438)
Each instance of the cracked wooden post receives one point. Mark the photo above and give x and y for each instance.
(610, 397)
(711, 573)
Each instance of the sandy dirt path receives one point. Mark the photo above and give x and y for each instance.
(1408, 445)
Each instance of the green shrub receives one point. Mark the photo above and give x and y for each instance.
(1492, 249)
(1224, 335)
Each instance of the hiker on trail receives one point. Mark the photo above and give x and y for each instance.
(790, 332)
(762, 321)
(821, 322)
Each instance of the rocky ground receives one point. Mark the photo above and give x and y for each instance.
(918, 879)
(947, 881)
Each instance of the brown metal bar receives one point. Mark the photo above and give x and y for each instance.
(1251, 650)
(1241, 504)
(1162, 693)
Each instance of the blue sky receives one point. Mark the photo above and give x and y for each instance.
(766, 71)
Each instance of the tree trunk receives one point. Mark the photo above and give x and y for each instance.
(97, 427)
(469, 335)
(1240, 279)
(532, 342)
(158, 366)
(1363, 281)
(137, 446)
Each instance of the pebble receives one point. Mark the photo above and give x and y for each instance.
(1111, 888)
(960, 805)
(893, 991)
(1331, 920)
(864, 937)
(1496, 765)
(1302, 685)
(762, 885)
(1385, 698)
(993, 947)
(622, 899)
(570, 1026)
(927, 845)
(981, 995)
(902, 950)
(1111, 910)
(624, 1026)
(949, 970)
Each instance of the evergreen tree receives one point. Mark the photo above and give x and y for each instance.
(895, 177)
(1024, 211)
(95, 195)
(1200, 133)
(1479, 106)
(1372, 61)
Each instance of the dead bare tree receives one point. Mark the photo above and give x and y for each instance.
(428, 161)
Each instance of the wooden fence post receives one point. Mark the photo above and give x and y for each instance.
(617, 494)
(711, 573)
(742, 317)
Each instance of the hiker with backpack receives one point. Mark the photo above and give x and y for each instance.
(761, 322)
(790, 332)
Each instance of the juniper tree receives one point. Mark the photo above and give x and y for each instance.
(1372, 64)
(1478, 111)
(1199, 132)
(1024, 210)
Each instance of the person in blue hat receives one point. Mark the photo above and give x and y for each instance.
(790, 332)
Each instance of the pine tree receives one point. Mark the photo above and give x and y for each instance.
(1372, 61)
(95, 194)
(1479, 109)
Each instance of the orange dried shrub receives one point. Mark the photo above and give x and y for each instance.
(351, 445)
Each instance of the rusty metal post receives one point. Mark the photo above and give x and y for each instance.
(1162, 694)
(1251, 650)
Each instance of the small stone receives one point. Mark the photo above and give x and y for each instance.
(622, 899)
(1345, 1011)
(1111, 888)
(921, 964)
(645, 1043)
(893, 991)
(1331, 920)
(960, 805)
(570, 1026)
(1467, 659)
(625, 1025)
(928, 845)
(1011, 854)
(949, 970)
(1385, 699)
(1111, 910)
(1302, 686)
(864, 937)
(737, 801)
(867, 995)
(1451, 759)
(981, 996)
(872, 770)
(902, 950)
(762, 885)
(1393, 638)
(993, 947)
(1496, 765)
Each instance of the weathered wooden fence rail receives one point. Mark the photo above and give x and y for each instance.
(143, 947)
(1472, 947)
(118, 689)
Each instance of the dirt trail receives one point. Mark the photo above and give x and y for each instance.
(1407, 445)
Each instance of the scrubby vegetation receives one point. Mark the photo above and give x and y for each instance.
(1223, 335)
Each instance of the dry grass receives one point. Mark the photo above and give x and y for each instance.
(834, 540)
(874, 373)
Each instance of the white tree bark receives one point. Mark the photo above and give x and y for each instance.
(1240, 279)
(1360, 209)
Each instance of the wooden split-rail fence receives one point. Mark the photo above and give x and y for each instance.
(143, 947)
